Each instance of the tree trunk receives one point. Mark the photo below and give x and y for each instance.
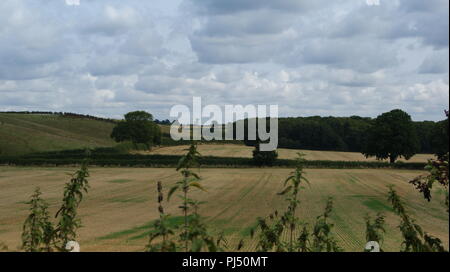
(392, 159)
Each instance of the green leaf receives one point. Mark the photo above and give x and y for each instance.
(172, 190)
(197, 185)
(285, 190)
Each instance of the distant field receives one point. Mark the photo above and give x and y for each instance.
(25, 133)
(231, 150)
(121, 203)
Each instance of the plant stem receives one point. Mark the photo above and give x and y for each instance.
(185, 190)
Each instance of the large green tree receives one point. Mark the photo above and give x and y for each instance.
(139, 128)
(440, 138)
(392, 135)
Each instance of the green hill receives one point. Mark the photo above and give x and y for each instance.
(26, 133)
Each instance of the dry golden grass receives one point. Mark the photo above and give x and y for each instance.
(122, 202)
(231, 150)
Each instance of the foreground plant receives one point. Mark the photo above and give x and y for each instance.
(190, 180)
(39, 234)
(194, 235)
(162, 229)
(271, 229)
(438, 173)
(322, 237)
(69, 222)
(292, 185)
(375, 229)
(414, 238)
(37, 230)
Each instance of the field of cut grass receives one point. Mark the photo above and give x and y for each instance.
(121, 204)
(231, 150)
(26, 133)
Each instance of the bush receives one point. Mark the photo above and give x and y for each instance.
(264, 158)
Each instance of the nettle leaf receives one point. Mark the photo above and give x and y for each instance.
(195, 175)
(306, 180)
(181, 163)
(286, 190)
(171, 192)
(197, 185)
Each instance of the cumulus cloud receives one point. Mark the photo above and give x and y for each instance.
(310, 57)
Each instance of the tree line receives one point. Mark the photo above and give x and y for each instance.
(389, 136)
(64, 114)
(350, 133)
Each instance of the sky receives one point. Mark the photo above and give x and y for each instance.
(317, 57)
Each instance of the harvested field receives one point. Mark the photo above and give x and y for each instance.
(231, 150)
(121, 203)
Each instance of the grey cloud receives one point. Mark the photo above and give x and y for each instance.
(436, 63)
(427, 20)
(247, 23)
(234, 6)
(113, 64)
(365, 56)
(252, 48)
(421, 6)
(144, 43)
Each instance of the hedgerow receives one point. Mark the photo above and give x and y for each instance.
(110, 157)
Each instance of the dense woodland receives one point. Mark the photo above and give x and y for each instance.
(349, 133)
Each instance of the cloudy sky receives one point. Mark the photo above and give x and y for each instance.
(317, 57)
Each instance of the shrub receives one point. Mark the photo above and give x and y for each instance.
(264, 158)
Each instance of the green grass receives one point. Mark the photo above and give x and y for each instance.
(373, 204)
(28, 133)
(247, 230)
(123, 233)
(141, 231)
(377, 205)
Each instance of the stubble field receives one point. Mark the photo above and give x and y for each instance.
(121, 204)
(235, 151)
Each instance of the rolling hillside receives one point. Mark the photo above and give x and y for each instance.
(26, 133)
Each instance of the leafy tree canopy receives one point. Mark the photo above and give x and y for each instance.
(392, 135)
(440, 138)
(138, 128)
